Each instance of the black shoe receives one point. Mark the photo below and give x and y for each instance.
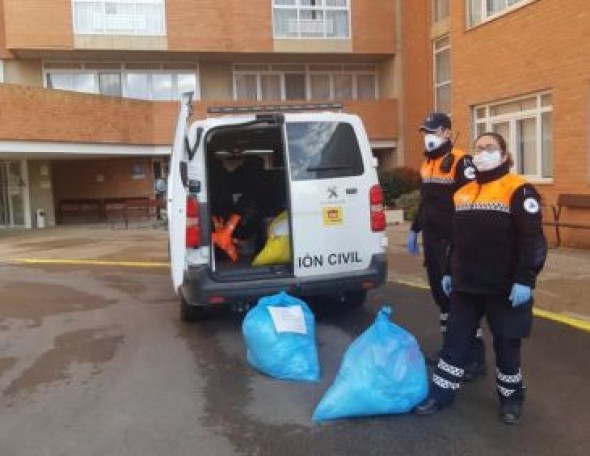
(474, 370)
(510, 413)
(428, 406)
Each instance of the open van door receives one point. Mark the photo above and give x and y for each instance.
(177, 193)
(330, 207)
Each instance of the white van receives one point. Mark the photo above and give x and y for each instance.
(314, 168)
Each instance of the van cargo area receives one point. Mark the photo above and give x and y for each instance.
(247, 188)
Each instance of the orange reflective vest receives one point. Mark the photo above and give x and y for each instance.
(441, 177)
(498, 237)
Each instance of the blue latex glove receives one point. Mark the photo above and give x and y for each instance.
(447, 284)
(520, 294)
(412, 243)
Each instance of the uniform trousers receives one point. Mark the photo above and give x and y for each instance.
(508, 326)
(435, 257)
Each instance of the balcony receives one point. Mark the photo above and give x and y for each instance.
(37, 114)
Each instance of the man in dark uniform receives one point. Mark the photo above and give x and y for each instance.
(444, 170)
(498, 250)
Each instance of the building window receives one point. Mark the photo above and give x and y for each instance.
(77, 82)
(110, 84)
(442, 74)
(526, 124)
(119, 17)
(311, 18)
(483, 10)
(258, 82)
(153, 84)
(440, 10)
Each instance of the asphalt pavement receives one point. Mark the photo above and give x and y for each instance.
(94, 361)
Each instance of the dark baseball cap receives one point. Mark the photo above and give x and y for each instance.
(434, 121)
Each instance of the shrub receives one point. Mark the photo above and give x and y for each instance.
(397, 181)
(409, 202)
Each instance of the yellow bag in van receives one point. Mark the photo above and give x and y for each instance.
(277, 249)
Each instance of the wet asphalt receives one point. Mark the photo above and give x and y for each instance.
(94, 361)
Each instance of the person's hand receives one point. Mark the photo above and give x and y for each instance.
(520, 294)
(412, 243)
(447, 284)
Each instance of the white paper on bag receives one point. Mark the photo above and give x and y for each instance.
(288, 319)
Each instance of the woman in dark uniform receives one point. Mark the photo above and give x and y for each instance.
(498, 249)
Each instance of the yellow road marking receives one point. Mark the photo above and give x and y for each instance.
(135, 264)
(559, 318)
(566, 320)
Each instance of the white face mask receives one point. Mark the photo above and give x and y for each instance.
(487, 160)
(432, 142)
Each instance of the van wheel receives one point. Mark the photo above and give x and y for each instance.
(355, 298)
(190, 314)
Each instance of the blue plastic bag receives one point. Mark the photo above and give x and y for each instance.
(382, 372)
(280, 338)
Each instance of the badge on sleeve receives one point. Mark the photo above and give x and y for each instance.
(531, 205)
(469, 172)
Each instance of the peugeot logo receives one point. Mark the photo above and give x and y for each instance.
(332, 192)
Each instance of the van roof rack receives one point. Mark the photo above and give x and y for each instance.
(274, 108)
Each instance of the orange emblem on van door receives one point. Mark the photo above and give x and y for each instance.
(333, 216)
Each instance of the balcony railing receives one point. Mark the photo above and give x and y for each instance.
(310, 27)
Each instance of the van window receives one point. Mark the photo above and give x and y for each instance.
(322, 150)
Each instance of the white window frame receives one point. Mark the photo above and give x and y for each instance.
(441, 10)
(510, 5)
(437, 85)
(1, 70)
(321, 7)
(488, 121)
(123, 71)
(134, 31)
(307, 74)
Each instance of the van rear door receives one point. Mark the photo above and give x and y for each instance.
(330, 181)
(177, 193)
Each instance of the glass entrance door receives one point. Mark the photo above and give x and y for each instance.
(12, 195)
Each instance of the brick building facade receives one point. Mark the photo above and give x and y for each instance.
(520, 67)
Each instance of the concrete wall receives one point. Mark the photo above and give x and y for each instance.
(416, 61)
(374, 26)
(207, 26)
(23, 72)
(216, 80)
(56, 115)
(38, 24)
(103, 178)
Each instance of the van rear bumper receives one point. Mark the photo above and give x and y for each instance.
(200, 288)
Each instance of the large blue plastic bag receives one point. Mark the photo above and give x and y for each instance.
(382, 372)
(284, 346)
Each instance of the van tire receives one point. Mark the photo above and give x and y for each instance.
(355, 299)
(191, 314)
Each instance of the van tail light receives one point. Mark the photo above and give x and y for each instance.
(193, 222)
(378, 222)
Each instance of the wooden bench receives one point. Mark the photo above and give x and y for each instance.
(110, 210)
(115, 209)
(126, 209)
(79, 210)
(568, 200)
